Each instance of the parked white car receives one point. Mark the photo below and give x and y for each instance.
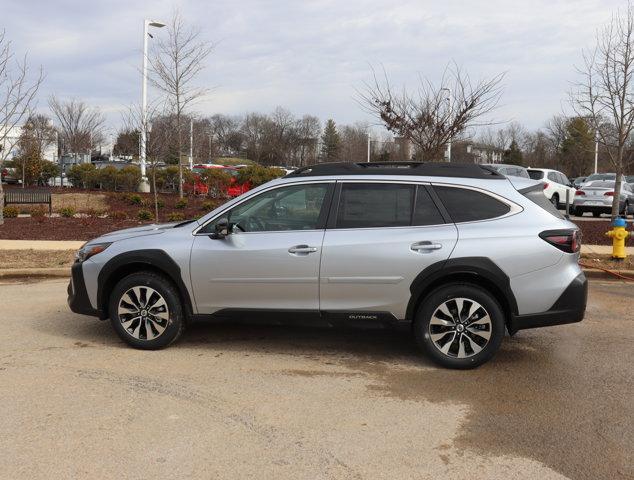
(556, 184)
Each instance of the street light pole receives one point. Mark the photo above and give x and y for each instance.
(191, 144)
(596, 150)
(145, 185)
(449, 102)
(368, 147)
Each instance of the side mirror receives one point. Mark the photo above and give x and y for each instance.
(222, 229)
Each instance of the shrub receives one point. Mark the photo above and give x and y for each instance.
(256, 175)
(67, 212)
(129, 178)
(38, 212)
(144, 214)
(207, 206)
(118, 215)
(10, 212)
(216, 179)
(82, 175)
(106, 178)
(182, 203)
(134, 199)
(160, 203)
(175, 217)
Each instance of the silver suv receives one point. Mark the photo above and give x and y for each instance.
(459, 253)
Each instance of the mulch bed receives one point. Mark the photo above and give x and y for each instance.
(593, 232)
(61, 228)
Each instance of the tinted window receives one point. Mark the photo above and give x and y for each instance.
(364, 205)
(425, 212)
(296, 207)
(536, 174)
(536, 195)
(553, 176)
(469, 205)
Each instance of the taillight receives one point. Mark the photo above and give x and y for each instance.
(545, 185)
(609, 194)
(580, 192)
(568, 241)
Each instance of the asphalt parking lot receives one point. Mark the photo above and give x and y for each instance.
(232, 401)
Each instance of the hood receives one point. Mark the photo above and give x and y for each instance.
(141, 231)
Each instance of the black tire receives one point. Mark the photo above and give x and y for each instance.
(626, 208)
(577, 212)
(436, 299)
(596, 214)
(172, 324)
(555, 200)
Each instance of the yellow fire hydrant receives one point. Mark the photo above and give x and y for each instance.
(618, 234)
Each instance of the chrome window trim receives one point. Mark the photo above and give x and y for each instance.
(249, 197)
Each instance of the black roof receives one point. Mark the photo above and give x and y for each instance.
(429, 169)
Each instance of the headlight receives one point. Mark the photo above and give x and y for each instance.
(87, 251)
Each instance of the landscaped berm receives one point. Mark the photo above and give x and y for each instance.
(82, 215)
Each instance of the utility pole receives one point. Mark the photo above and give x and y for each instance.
(145, 185)
(368, 147)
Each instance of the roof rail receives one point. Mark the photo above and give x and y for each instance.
(426, 169)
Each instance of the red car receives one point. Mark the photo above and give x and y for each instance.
(232, 190)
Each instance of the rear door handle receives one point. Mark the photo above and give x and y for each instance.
(302, 250)
(426, 246)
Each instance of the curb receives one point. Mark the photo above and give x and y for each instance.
(595, 274)
(35, 272)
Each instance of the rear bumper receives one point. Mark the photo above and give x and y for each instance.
(78, 300)
(570, 307)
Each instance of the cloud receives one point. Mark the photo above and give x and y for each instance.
(309, 56)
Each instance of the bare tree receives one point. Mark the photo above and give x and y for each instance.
(435, 114)
(79, 126)
(157, 142)
(174, 66)
(605, 93)
(17, 95)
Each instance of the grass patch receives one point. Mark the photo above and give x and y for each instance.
(36, 258)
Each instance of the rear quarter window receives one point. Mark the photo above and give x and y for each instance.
(465, 205)
(536, 174)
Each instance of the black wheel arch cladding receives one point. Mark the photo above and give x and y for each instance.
(131, 262)
(481, 271)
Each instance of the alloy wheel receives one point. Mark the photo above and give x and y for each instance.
(460, 328)
(143, 313)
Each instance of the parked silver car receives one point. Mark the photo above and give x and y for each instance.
(506, 169)
(597, 197)
(458, 252)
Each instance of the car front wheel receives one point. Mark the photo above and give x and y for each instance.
(145, 311)
(459, 326)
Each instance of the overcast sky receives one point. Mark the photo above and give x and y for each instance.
(309, 56)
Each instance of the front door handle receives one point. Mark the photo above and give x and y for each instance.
(302, 250)
(426, 246)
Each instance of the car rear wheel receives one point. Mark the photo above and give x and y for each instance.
(596, 214)
(145, 311)
(555, 200)
(459, 326)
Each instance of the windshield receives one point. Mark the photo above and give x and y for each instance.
(536, 174)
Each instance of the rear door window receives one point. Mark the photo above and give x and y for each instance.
(367, 205)
(373, 205)
(466, 205)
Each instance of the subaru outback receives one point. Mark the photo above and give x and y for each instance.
(457, 253)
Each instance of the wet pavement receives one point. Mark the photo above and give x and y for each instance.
(235, 401)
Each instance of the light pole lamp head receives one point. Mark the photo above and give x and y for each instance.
(154, 23)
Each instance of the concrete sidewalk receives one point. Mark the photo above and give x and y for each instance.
(603, 249)
(40, 245)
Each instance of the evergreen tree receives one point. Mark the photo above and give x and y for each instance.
(330, 142)
(513, 154)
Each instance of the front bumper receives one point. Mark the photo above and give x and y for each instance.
(570, 307)
(78, 300)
